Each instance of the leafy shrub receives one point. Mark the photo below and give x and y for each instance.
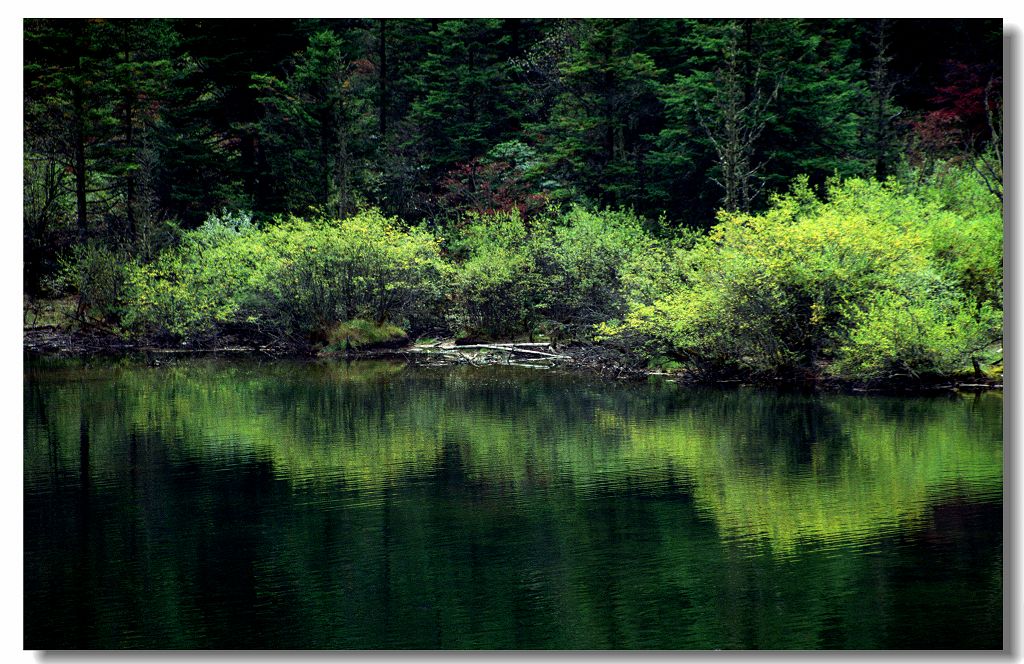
(497, 288)
(366, 266)
(900, 335)
(97, 274)
(594, 263)
(872, 280)
(810, 282)
(296, 278)
(203, 284)
(955, 213)
(561, 274)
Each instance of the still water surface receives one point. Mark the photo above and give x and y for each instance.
(237, 504)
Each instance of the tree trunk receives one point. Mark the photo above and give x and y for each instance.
(382, 105)
(129, 142)
(78, 106)
(881, 90)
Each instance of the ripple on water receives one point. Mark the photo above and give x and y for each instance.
(307, 506)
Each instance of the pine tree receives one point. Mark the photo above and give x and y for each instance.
(880, 131)
(759, 102)
(592, 144)
(69, 103)
(468, 99)
(315, 132)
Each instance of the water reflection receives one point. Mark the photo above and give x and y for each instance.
(234, 504)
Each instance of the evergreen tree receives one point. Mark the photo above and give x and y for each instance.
(880, 137)
(761, 101)
(593, 142)
(70, 103)
(213, 157)
(468, 99)
(317, 125)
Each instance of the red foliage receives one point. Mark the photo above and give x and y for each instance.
(960, 118)
(364, 67)
(489, 187)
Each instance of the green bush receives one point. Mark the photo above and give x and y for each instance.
(297, 278)
(97, 275)
(594, 264)
(367, 266)
(194, 289)
(497, 289)
(810, 282)
(560, 275)
(899, 335)
(871, 280)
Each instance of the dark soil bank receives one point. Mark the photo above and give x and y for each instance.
(590, 358)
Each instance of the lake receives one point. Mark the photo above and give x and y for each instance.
(211, 503)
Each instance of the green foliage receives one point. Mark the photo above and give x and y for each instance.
(297, 277)
(497, 289)
(561, 275)
(194, 289)
(366, 266)
(967, 235)
(595, 263)
(857, 279)
(910, 335)
(315, 129)
(98, 276)
(874, 280)
(46, 312)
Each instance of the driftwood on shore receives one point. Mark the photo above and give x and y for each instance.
(517, 354)
(508, 348)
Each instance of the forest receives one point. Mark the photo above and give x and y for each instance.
(741, 197)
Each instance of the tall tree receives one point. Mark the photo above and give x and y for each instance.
(602, 87)
(735, 119)
(880, 130)
(758, 102)
(468, 99)
(141, 73)
(317, 124)
(69, 100)
(213, 157)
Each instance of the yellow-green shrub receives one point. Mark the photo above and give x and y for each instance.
(908, 335)
(497, 289)
(810, 282)
(295, 278)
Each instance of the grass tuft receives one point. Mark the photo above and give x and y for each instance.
(359, 334)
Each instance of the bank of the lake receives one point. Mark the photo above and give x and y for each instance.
(589, 358)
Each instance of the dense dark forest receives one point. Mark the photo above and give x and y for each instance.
(558, 153)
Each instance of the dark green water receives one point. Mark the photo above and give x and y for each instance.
(215, 504)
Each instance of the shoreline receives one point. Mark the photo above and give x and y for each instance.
(52, 341)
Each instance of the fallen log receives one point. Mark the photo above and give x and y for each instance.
(513, 349)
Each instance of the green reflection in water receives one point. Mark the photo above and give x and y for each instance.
(370, 505)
